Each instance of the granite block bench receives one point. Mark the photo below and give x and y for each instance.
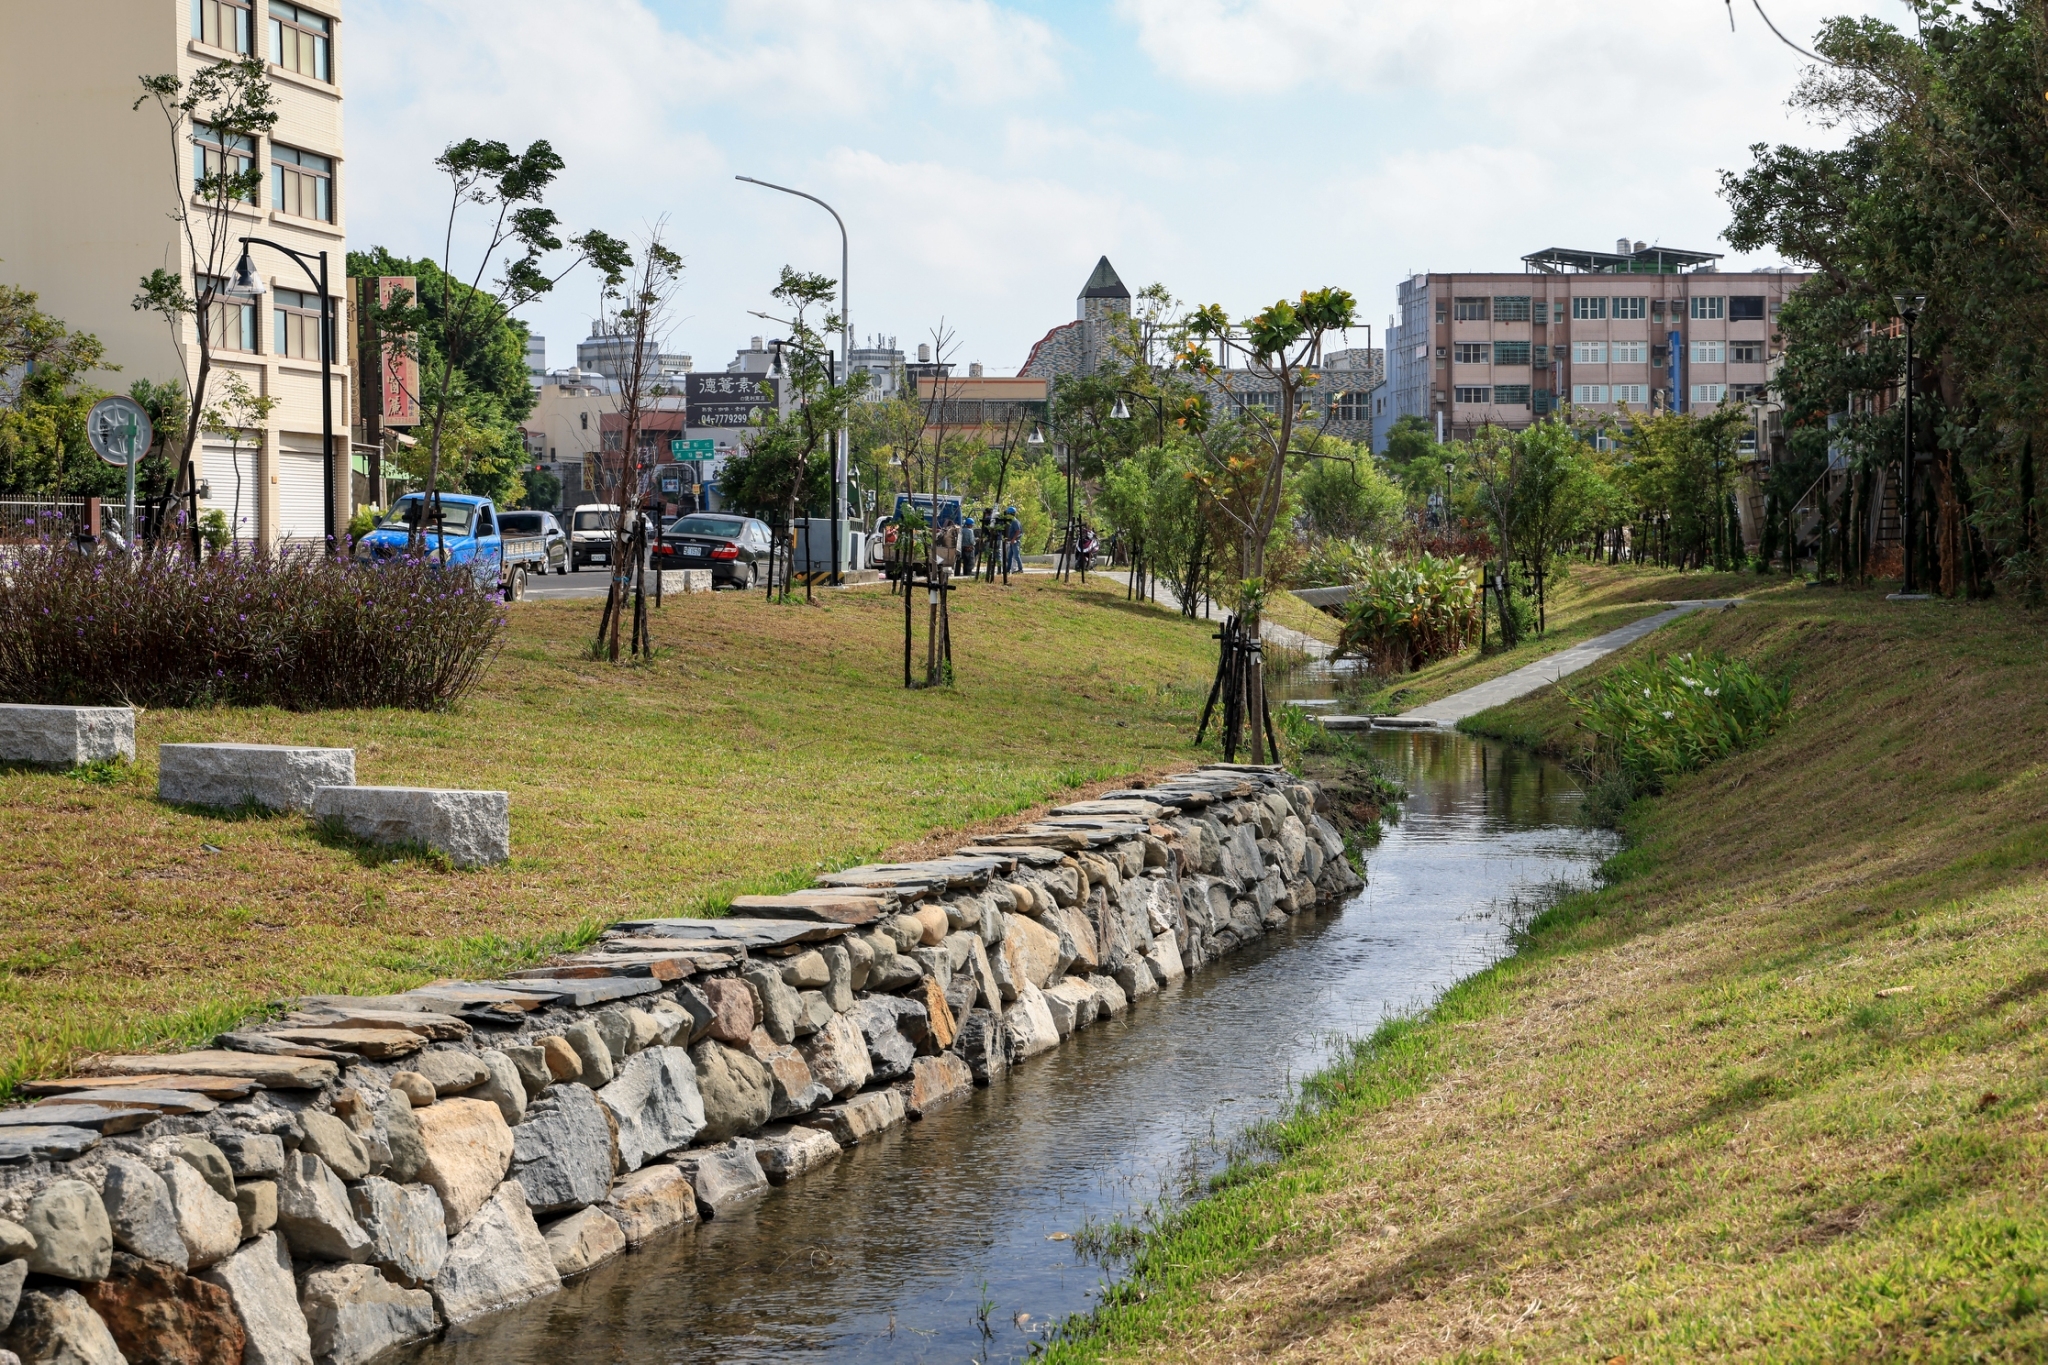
(280, 776)
(66, 736)
(473, 828)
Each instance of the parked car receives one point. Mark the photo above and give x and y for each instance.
(590, 534)
(462, 531)
(544, 525)
(734, 548)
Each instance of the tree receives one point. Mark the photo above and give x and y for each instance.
(238, 413)
(231, 104)
(42, 416)
(508, 187)
(1281, 343)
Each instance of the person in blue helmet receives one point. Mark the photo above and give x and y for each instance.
(1013, 541)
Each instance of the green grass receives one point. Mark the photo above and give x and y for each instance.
(1777, 1092)
(765, 745)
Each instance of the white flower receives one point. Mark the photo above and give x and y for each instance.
(1646, 691)
(1667, 715)
(1713, 691)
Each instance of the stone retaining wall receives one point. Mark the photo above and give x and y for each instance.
(362, 1172)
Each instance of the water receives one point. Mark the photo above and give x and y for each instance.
(941, 1242)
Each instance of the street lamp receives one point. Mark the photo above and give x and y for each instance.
(1909, 306)
(248, 284)
(840, 457)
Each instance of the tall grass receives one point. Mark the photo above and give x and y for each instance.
(299, 631)
(1408, 610)
(1657, 718)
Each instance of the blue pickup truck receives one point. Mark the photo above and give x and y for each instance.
(463, 532)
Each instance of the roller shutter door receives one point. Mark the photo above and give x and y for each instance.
(237, 498)
(301, 497)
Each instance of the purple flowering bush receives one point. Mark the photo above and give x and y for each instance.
(294, 630)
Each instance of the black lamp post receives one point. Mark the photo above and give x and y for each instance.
(1909, 306)
(249, 285)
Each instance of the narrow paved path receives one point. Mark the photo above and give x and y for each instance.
(1272, 632)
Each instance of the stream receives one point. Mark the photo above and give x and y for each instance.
(951, 1239)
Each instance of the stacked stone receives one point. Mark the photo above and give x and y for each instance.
(358, 1174)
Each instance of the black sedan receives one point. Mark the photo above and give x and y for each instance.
(734, 548)
(540, 524)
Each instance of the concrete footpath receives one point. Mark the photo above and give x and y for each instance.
(1448, 711)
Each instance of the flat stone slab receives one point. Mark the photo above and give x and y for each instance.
(99, 1118)
(378, 1044)
(66, 736)
(735, 931)
(345, 1014)
(209, 1087)
(473, 828)
(1029, 855)
(46, 1142)
(1131, 807)
(1352, 722)
(275, 1073)
(279, 776)
(940, 874)
(585, 992)
(826, 906)
(663, 965)
(134, 1097)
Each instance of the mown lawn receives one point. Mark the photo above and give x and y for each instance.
(765, 744)
(1777, 1093)
(1589, 600)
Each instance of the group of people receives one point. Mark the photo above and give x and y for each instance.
(1002, 533)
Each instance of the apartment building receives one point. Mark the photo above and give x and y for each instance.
(1637, 329)
(86, 215)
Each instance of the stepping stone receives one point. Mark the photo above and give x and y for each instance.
(100, 1118)
(733, 932)
(279, 776)
(211, 1087)
(274, 1073)
(66, 736)
(473, 828)
(46, 1142)
(378, 1044)
(829, 906)
(1348, 722)
(135, 1097)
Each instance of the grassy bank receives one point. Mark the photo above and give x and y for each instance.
(764, 745)
(1590, 600)
(1777, 1092)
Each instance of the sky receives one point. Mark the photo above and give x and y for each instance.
(983, 154)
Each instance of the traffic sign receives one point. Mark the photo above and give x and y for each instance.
(692, 450)
(119, 430)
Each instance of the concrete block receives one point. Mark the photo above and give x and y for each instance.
(280, 776)
(675, 581)
(66, 736)
(473, 828)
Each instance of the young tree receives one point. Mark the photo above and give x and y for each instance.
(238, 414)
(42, 412)
(1282, 343)
(213, 123)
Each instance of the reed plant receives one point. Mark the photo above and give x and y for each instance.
(300, 631)
(1658, 718)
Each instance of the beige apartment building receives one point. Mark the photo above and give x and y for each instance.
(86, 214)
(1637, 329)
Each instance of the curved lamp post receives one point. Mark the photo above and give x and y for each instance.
(840, 458)
(247, 284)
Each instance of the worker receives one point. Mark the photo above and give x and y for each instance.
(1013, 541)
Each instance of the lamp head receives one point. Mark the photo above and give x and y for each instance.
(1122, 409)
(1036, 438)
(1909, 305)
(246, 284)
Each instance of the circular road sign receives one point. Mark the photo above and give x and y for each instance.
(119, 430)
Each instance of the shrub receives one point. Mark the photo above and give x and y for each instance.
(299, 631)
(1655, 719)
(1405, 612)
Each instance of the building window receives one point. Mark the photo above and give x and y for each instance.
(215, 153)
(223, 24)
(1745, 308)
(1745, 353)
(1632, 393)
(1468, 310)
(1709, 352)
(1439, 312)
(1510, 307)
(1540, 357)
(1709, 393)
(298, 323)
(1746, 393)
(1511, 395)
(1541, 401)
(1629, 309)
(1557, 311)
(1351, 406)
(231, 321)
(299, 40)
(1589, 353)
(586, 420)
(1471, 352)
(1589, 393)
(1629, 352)
(1265, 400)
(1589, 309)
(1473, 393)
(301, 183)
(1710, 309)
(1510, 352)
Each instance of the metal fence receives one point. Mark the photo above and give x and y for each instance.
(29, 519)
